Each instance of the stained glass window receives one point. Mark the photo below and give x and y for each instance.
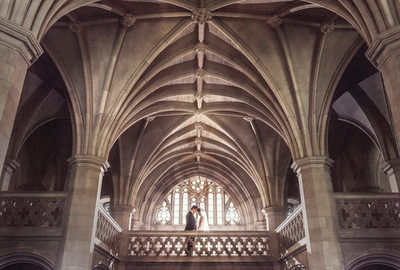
(232, 216)
(163, 215)
(206, 194)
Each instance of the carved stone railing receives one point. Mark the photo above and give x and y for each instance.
(178, 244)
(291, 231)
(361, 215)
(108, 232)
(39, 210)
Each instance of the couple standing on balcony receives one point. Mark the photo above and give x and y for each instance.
(192, 226)
(191, 221)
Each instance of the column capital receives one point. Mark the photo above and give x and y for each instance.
(136, 224)
(274, 209)
(11, 165)
(389, 165)
(384, 46)
(89, 161)
(21, 40)
(121, 208)
(314, 161)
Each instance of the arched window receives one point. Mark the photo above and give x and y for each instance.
(163, 214)
(200, 191)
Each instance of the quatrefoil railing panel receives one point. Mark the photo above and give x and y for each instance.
(43, 210)
(108, 231)
(200, 244)
(368, 211)
(291, 231)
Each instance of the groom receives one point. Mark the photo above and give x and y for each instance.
(190, 226)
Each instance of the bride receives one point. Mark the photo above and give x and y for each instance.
(203, 222)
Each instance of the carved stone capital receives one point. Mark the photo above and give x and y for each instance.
(75, 27)
(274, 21)
(389, 166)
(128, 20)
(327, 28)
(384, 46)
(11, 166)
(201, 15)
(136, 225)
(315, 161)
(150, 118)
(21, 40)
(89, 161)
(248, 118)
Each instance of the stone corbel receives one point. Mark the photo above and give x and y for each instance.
(392, 169)
(384, 46)
(21, 40)
(9, 169)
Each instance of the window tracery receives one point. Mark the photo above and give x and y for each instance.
(163, 214)
(200, 191)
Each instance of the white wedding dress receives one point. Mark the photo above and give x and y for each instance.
(203, 221)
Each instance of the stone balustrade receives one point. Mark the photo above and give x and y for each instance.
(39, 209)
(108, 232)
(368, 215)
(174, 244)
(291, 231)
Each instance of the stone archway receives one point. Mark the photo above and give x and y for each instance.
(375, 262)
(23, 266)
(24, 261)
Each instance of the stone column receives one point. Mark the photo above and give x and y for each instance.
(384, 53)
(18, 49)
(319, 210)
(85, 175)
(8, 172)
(122, 215)
(274, 216)
(392, 169)
(136, 224)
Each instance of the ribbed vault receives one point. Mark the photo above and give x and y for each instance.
(230, 89)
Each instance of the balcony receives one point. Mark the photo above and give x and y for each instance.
(368, 216)
(32, 214)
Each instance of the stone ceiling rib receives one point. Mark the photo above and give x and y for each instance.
(197, 81)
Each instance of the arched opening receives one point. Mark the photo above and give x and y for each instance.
(23, 266)
(360, 138)
(377, 267)
(376, 262)
(41, 141)
(219, 206)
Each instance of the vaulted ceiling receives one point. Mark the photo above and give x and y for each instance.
(233, 90)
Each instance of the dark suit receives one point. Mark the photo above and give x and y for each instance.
(190, 226)
(190, 222)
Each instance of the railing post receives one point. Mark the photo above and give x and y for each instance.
(122, 214)
(274, 216)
